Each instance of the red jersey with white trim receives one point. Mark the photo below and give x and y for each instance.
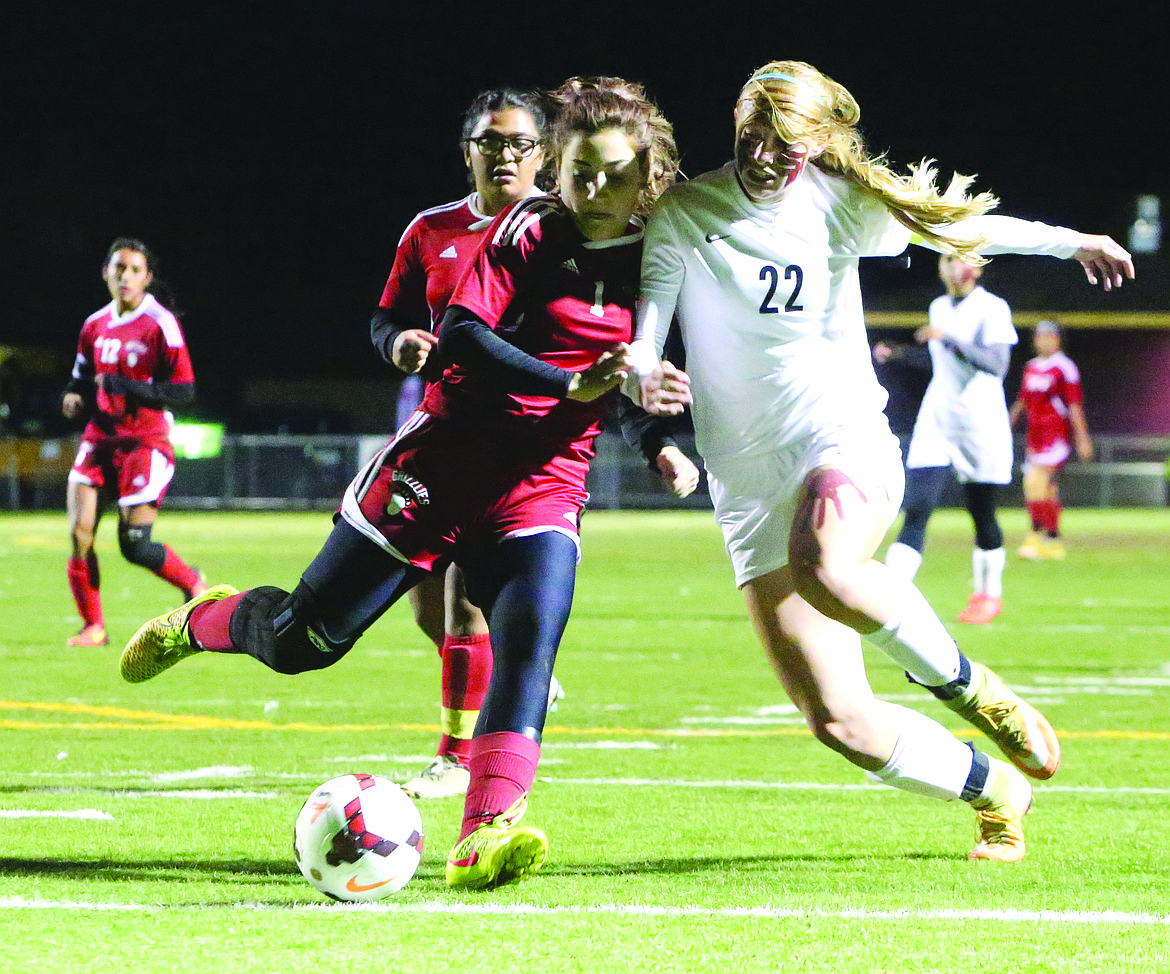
(145, 345)
(434, 251)
(1051, 384)
(555, 295)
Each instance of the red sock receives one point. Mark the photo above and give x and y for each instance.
(210, 622)
(85, 584)
(1054, 510)
(1036, 513)
(467, 671)
(177, 572)
(503, 767)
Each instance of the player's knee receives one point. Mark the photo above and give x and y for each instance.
(283, 631)
(137, 547)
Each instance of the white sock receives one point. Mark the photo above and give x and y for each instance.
(927, 760)
(904, 560)
(917, 641)
(988, 569)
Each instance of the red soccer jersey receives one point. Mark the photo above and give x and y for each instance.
(145, 345)
(432, 256)
(1051, 384)
(555, 295)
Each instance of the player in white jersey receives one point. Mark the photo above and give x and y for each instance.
(759, 260)
(962, 426)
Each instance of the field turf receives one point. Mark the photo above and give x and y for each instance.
(694, 824)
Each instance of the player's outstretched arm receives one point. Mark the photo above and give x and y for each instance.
(1104, 259)
(608, 372)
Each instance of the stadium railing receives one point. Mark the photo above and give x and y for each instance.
(310, 472)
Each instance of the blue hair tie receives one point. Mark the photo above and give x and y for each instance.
(780, 76)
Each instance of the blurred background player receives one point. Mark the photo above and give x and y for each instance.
(489, 472)
(1050, 398)
(502, 142)
(132, 367)
(760, 261)
(962, 427)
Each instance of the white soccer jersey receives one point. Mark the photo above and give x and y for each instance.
(963, 420)
(769, 304)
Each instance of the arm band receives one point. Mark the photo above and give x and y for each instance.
(153, 395)
(643, 432)
(986, 358)
(385, 327)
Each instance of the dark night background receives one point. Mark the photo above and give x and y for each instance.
(273, 153)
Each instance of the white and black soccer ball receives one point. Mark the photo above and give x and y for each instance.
(359, 837)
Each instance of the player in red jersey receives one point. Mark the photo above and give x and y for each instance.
(1050, 397)
(502, 141)
(132, 366)
(489, 472)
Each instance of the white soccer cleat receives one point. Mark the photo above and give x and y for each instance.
(444, 777)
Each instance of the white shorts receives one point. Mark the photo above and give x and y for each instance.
(1054, 455)
(981, 455)
(755, 496)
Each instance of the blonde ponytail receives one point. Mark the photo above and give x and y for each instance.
(805, 105)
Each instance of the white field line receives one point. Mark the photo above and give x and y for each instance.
(81, 813)
(820, 786)
(639, 910)
(733, 783)
(216, 771)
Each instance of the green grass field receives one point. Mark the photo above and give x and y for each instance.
(694, 823)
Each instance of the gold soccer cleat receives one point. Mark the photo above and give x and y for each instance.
(164, 641)
(999, 815)
(1030, 549)
(1018, 728)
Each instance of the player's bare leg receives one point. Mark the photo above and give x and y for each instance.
(819, 662)
(837, 528)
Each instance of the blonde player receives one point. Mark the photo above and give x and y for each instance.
(759, 261)
(963, 427)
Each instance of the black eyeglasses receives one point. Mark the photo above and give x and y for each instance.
(494, 145)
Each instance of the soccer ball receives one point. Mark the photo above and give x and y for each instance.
(358, 837)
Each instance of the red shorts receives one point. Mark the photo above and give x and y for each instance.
(1047, 449)
(141, 470)
(476, 489)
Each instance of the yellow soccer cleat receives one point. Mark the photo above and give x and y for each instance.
(999, 814)
(497, 853)
(1018, 728)
(444, 777)
(92, 635)
(1030, 549)
(1052, 549)
(164, 641)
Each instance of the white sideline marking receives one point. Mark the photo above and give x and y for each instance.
(521, 909)
(82, 813)
(825, 786)
(216, 771)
